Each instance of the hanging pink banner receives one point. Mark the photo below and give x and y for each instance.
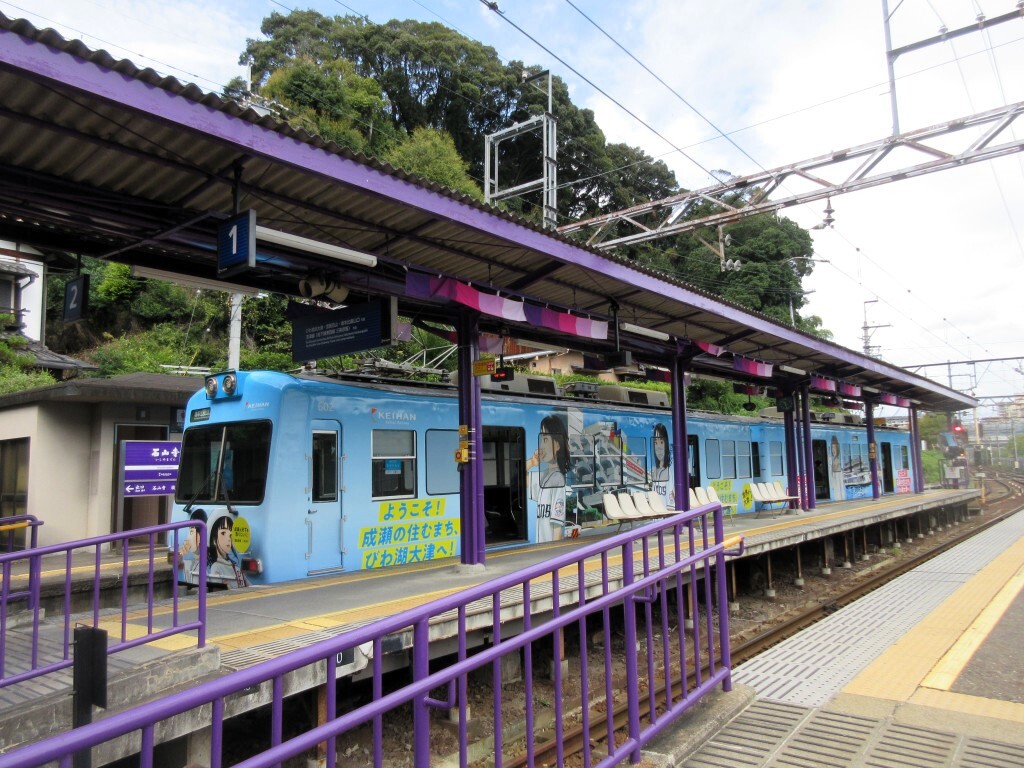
(850, 390)
(561, 321)
(902, 402)
(427, 287)
(708, 347)
(752, 367)
(821, 384)
(886, 398)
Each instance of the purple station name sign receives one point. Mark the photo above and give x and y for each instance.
(149, 467)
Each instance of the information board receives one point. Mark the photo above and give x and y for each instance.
(343, 331)
(149, 467)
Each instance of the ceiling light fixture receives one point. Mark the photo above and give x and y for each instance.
(307, 245)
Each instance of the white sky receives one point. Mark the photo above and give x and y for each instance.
(943, 255)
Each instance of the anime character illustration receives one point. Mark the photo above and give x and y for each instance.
(223, 563)
(661, 472)
(547, 469)
(835, 470)
(188, 552)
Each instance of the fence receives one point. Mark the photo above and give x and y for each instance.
(651, 574)
(21, 648)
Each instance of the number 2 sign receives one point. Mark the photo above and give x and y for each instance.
(76, 298)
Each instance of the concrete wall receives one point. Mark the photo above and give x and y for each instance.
(59, 481)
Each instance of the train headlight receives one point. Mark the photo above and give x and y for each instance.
(230, 384)
(211, 387)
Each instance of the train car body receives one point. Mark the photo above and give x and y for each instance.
(299, 476)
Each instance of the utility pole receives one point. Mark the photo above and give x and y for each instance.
(868, 349)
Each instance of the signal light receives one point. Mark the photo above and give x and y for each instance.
(504, 373)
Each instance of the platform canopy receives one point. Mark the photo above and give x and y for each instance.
(101, 158)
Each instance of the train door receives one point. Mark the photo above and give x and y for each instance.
(819, 454)
(323, 517)
(887, 478)
(504, 450)
(693, 455)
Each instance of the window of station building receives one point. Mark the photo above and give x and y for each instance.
(394, 463)
(14, 477)
(325, 466)
(742, 458)
(729, 459)
(775, 457)
(713, 459)
(442, 469)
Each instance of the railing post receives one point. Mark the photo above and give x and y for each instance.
(723, 603)
(420, 710)
(632, 682)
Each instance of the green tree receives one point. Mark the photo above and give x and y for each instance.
(431, 154)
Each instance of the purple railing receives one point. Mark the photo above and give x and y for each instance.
(663, 559)
(27, 566)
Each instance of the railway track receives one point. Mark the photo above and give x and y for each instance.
(1005, 496)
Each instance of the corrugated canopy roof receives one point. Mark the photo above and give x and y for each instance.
(101, 158)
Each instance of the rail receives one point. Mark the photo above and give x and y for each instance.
(21, 646)
(647, 567)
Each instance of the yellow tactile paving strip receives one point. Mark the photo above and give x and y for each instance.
(291, 629)
(920, 668)
(379, 610)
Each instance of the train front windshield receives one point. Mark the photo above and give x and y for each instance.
(224, 463)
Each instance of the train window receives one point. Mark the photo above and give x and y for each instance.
(442, 470)
(775, 457)
(755, 458)
(582, 461)
(693, 453)
(609, 460)
(394, 463)
(241, 451)
(713, 459)
(729, 459)
(904, 458)
(634, 460)
(742, 458)
(325, 466)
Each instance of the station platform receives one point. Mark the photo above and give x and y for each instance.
(247, 626)
(926, 671)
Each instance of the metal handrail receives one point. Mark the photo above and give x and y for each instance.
(34, 556)
(671, 551)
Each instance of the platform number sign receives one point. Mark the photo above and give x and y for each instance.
(76, 298)
(236, 244)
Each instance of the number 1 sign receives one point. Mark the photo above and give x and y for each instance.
(236, 244)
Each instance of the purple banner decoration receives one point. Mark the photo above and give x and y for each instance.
(886, 398)
(708, 348)
(752, 367)
(850, 390)
(543, 317)
(822, 384)
(902, 402)
(427, 287)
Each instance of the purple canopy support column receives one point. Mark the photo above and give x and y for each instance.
(798, 450)
(680, 445)
(809, 479)
(869, 417)
(788, 427)
(471, 485)
(915, 452)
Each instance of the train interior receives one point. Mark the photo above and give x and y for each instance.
(504, 454)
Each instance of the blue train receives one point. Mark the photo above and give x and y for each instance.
(303, 475)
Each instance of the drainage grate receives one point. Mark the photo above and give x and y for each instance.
(811, 667)
(751, 738)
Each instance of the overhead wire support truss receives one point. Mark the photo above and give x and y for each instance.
(667, 216)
